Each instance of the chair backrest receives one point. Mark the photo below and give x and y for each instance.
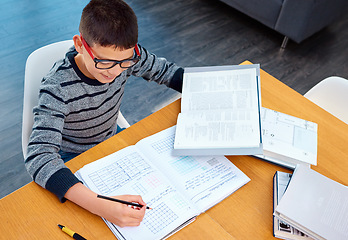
(331, 94)
(38, 65)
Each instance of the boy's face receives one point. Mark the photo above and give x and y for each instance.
(87, 65)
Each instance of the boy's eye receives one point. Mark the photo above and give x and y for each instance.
(105, 64)
(127, 63)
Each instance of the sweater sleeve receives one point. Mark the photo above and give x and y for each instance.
(176, 82)
(158, 69)
(43, 162)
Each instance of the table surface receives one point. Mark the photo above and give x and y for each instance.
(246, 214)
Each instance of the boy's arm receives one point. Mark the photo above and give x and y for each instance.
(43, 162)
(49, 171)
(117, 213)
(158, 69)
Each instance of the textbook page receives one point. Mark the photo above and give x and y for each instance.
(315, 204)
(204, 180)
(288, 140)
(128, 171)
(220, 111)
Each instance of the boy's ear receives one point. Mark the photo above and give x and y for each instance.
(78, 43)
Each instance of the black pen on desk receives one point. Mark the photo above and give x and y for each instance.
(71, 233)
(122, 201)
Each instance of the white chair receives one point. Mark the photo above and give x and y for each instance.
(331, 94)
(36, 68)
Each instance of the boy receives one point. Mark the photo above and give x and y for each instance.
(79, 102)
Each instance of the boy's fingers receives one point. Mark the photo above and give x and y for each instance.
(136, 213)
(132, 217)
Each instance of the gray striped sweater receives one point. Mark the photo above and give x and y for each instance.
(75, 113)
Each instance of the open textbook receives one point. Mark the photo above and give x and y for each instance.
(288, 140)
(177, 188)
(315, 205)
(220, 111)
(282, 229)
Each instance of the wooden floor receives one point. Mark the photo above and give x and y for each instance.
(190, 33)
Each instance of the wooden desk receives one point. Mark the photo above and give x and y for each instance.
(32, 212)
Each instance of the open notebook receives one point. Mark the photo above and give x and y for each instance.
(177, 188)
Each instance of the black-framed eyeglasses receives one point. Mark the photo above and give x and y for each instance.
(106, 63)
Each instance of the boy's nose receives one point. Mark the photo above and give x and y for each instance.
(117, 70)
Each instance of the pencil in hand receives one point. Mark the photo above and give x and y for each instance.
(122, 201)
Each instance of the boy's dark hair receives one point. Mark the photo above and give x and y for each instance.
(109, 23)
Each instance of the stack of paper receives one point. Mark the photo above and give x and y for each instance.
(282, 229)
(288, 140)
(220, 111)
(315, 204)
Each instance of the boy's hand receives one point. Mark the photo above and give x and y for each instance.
(120, 214)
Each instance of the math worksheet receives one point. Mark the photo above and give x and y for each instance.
(177, 188)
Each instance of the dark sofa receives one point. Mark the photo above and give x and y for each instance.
(295, 19)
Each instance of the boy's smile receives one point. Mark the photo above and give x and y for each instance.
(88, 67)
